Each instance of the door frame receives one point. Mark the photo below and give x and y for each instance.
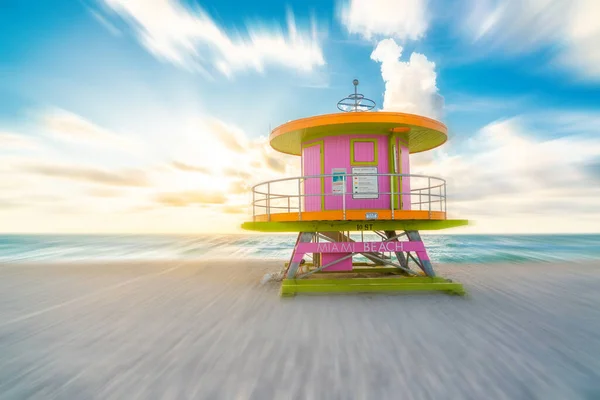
(321, 144)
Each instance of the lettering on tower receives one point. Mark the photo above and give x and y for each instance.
(359, 247)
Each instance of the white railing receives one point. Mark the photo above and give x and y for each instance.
(286, 195)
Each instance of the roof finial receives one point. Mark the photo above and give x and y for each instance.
(356, 101)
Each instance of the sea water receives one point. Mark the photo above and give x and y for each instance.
(441, 248)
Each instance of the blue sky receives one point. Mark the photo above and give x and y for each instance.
(128, 88)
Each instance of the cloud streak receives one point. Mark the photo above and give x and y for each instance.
(191, 39)
(126, 177)
(400, 19)
(509, 168)
(189, 198)
(567, 28)
(15, 141)
(189, 168)
(67, 126)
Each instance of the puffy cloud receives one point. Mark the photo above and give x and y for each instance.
(409, 86)
(568, 28)
(401, 19)
(190, 38)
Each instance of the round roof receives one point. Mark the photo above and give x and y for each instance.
(420, 132)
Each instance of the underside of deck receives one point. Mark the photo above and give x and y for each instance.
(352, 225)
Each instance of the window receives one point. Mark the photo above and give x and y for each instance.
(363, 152)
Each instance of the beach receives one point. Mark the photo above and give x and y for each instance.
(210, 330)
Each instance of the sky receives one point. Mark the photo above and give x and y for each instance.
(152, 116)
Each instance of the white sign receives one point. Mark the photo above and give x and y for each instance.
(364, 187)
(338, 180)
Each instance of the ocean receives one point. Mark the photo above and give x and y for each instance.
(441, 248)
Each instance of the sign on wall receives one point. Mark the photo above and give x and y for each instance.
(364, 186)
(338, 180)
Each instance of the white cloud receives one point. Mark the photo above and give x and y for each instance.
(409, 86)
(508, 171)
(401, 19)
(15, 141)
(569, 28)
(125, 178)
(197, 161)
(223, 149)
(191, 39)
(68, 126)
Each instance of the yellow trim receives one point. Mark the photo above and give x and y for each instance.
(321, 143)
(333, 134)
(353, 215)
(391, 164)
(375, 161)
(424, 133)
(398, 141)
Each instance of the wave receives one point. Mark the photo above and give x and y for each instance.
(441, 248)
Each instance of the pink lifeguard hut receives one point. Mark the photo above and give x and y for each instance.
(356, 179)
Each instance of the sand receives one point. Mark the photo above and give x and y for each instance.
(210, 330)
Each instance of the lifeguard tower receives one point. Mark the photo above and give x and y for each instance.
(357, 208)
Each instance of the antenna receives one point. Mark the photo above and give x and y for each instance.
(355, 102)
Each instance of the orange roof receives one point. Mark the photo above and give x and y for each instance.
(420, 132)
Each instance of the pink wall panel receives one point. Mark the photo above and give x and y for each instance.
(344, 265)
(337, 155)
(311, 165)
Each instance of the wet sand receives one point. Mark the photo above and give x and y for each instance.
(210, 330)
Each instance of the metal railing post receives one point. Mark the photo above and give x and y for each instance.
(392, 194)
(253, 205)
(288, 204)
(344, 197)
(299, 200)
(429, 191)
(445, 199)
(268, 201)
